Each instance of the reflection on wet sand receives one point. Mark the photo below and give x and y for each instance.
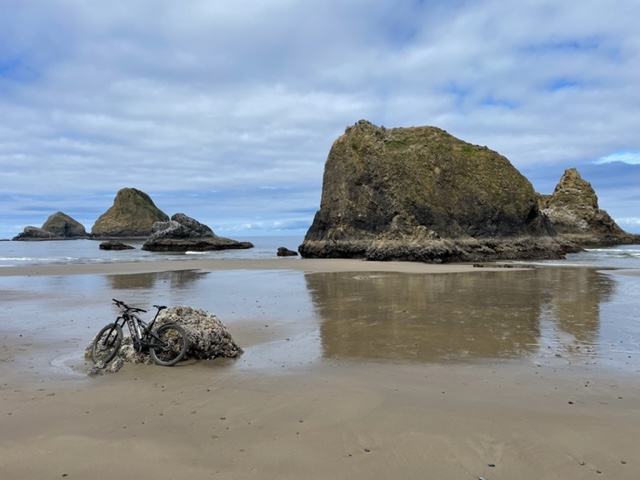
(455, 316)
(178, 279)
(575, 306)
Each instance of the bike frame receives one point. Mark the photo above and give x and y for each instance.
(141, 332)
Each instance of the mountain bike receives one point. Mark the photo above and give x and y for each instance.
(167, 345)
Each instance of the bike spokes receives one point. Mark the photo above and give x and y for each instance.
(169, 345)
(106, 344)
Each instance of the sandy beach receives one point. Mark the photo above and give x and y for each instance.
(463, 390)
(314, 265)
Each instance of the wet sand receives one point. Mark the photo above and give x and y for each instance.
(315, 265)
(352, 370)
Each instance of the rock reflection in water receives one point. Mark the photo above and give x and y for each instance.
(454, 316)
(174, 279)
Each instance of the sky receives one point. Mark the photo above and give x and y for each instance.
(226, 111)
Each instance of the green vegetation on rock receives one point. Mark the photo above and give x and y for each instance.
(409, 193)
(62, 225)
(58, 226)
(132, 215)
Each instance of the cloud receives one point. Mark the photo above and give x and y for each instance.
(179, 99)
(624, 157)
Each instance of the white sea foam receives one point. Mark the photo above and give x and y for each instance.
(87, 251)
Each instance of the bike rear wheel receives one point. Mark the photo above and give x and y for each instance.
(106, 344)
(169, 344)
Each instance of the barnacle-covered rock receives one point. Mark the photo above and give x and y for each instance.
(208, 338)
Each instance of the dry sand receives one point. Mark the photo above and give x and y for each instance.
(338, 418)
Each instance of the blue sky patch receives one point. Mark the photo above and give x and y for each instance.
(16, 69)
(561, 83)
(586, 44)
(491, 101)
(630, 157)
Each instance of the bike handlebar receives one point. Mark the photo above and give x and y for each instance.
(126, 307)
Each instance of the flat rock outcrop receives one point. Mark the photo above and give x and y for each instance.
(420, 194)
(183, 233)
(574, 213)
(285, 252)
(58, 226)
(114, 245)
(132, 215)
(34, 233)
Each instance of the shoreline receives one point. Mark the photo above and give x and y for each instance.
(298, 264)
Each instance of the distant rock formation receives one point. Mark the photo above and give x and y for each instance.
(573, 211)
(285, 252)
(34, 233)
(62, 225)
(420, 194)
(132, 215)
(58, 226)
(114, 245)
(183, 233)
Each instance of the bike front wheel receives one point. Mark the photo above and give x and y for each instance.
(106, 344)
(169, 344)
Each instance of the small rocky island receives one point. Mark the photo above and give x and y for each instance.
(183, 233)
(132, 215)
(58, 226)
(420, 194)
(575, 215)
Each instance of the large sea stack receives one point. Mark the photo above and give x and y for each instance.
(420, 194)
(183, 233)
(575, 215)
(58, 226)
(132, 215)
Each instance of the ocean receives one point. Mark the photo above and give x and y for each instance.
(18, 253)
(57, 252)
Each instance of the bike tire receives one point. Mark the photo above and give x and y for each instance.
(106, 344)
(176, 343)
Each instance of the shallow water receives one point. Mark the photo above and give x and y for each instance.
(575, 314)
(70, 252)
(547, 315)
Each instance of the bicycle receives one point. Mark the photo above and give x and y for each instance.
(167, 345)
